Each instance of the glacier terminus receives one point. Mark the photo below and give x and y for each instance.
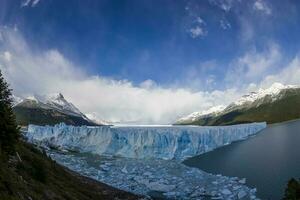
(163, 142)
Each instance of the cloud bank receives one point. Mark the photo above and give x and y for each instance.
(42, 72)
(30, 72)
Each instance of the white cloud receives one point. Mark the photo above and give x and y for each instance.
(197, 32)
(211, 81)
(199, 75)
(147, 84)
(288, 75)
(35, 2)
(31, 3)
(7, 56)
(200, 20)
(198, 28)
(257, 70)
(259, 63)
(224, 24)
(260, 5)
(49, 71)
(254, 65)
(25, 3)
(247, 30)
(225, 5)
(228, 5)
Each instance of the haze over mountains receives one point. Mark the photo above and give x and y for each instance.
(276, 104)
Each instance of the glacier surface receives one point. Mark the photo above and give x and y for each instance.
(163, 142)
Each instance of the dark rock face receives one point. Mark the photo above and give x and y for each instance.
(32, 112)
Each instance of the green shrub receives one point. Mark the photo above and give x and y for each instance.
(39, 172)
(292, 192)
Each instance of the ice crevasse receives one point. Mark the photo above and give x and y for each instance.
(164, 142)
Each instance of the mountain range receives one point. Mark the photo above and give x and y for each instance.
(48, 110)
(276, 104)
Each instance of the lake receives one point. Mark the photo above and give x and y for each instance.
(267, 160)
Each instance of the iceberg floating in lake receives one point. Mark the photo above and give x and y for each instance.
(164, 142)
(166, 179)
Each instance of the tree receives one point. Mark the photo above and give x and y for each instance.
(292, 192)
(9, 132)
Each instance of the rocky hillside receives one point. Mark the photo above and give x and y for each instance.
(48, 110)
(32, 175)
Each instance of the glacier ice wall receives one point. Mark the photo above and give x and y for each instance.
(165, 142)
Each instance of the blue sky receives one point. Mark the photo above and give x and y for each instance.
(198, 47)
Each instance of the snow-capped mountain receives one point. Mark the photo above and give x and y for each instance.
(51, 108)
(56, 101)
(272, 92)
(260, 105)
(213, 111)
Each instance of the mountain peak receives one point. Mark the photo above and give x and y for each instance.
(56, 96)
(273, 90)
(276, 88)
(53, 102)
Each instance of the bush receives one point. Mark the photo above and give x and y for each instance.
(292, 192)
(39, 170)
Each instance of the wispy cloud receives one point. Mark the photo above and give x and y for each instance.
(225, 5)
(224, 24)
(288, 75)
(254, 65)
(262, 6)
(197, 32)
(198, 28)
(31, 3)
(199, 75)
(6, 56)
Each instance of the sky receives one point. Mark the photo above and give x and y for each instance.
(148, 61)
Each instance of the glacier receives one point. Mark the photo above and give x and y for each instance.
(146, 160)
(160, 142)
